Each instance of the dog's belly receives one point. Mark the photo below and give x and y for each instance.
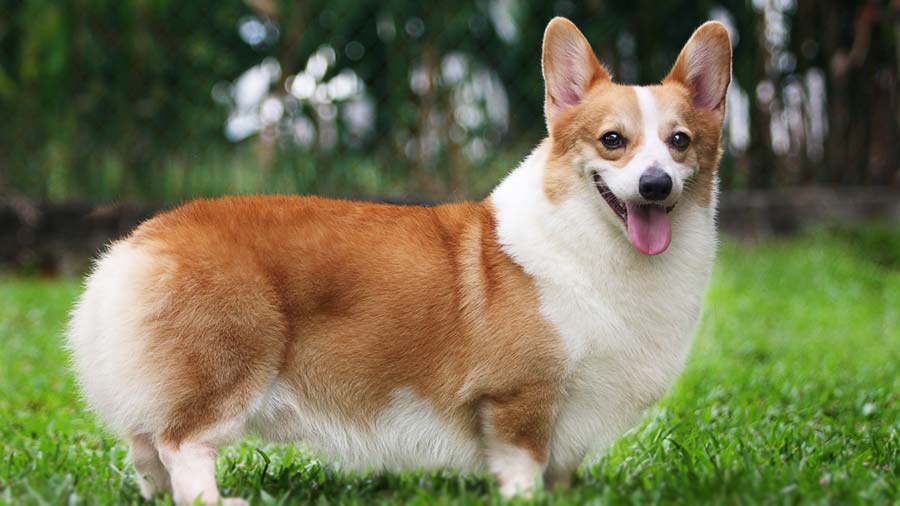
(408, 434)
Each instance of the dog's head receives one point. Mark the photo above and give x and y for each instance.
(635, 151)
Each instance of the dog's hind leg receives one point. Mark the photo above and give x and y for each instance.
(517, 428)
(152, 476)
(191, 467)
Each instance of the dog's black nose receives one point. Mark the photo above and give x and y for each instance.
(655, 184)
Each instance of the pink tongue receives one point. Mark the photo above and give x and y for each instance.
(649, 229)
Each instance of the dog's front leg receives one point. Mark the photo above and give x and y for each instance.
(516, 430)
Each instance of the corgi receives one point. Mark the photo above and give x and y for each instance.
(515, 335)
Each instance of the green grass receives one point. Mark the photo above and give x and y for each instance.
(791, 395)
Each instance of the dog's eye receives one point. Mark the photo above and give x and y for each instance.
(612, 140)
(680, 141)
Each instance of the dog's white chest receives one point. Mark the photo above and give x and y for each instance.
(622, 359)
(626, 327)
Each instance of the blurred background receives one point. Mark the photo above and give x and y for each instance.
(112, 109)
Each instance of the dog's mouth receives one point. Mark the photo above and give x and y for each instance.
(648, 226)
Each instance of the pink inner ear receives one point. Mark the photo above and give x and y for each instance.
(706, 95)
(568, 92)
(705, 86)
(569, 86)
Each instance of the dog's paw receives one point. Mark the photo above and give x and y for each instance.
(512, 491)
(518, 488)
(234, 501)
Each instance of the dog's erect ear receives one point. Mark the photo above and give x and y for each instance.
(704, 66)
(570, 67)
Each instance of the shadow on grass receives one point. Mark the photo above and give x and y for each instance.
(878, 243)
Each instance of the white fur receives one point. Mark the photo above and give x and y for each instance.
(515, 469)
(192, 468)
(625, 319)
(107, 342)
(408, 434)
(152, 476)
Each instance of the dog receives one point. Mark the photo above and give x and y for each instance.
(515, 335)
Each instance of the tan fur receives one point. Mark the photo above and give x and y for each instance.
(678, 94)
(559, 29)
(297, 300)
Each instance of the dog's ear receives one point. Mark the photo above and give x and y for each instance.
(704, 66)
(569, 65)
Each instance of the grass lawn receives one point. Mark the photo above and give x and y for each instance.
(791, 395)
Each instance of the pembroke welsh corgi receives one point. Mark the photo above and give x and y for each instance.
(515, 335)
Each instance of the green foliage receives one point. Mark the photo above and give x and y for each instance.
(790, 396)
(93, 84)
(109, 100)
